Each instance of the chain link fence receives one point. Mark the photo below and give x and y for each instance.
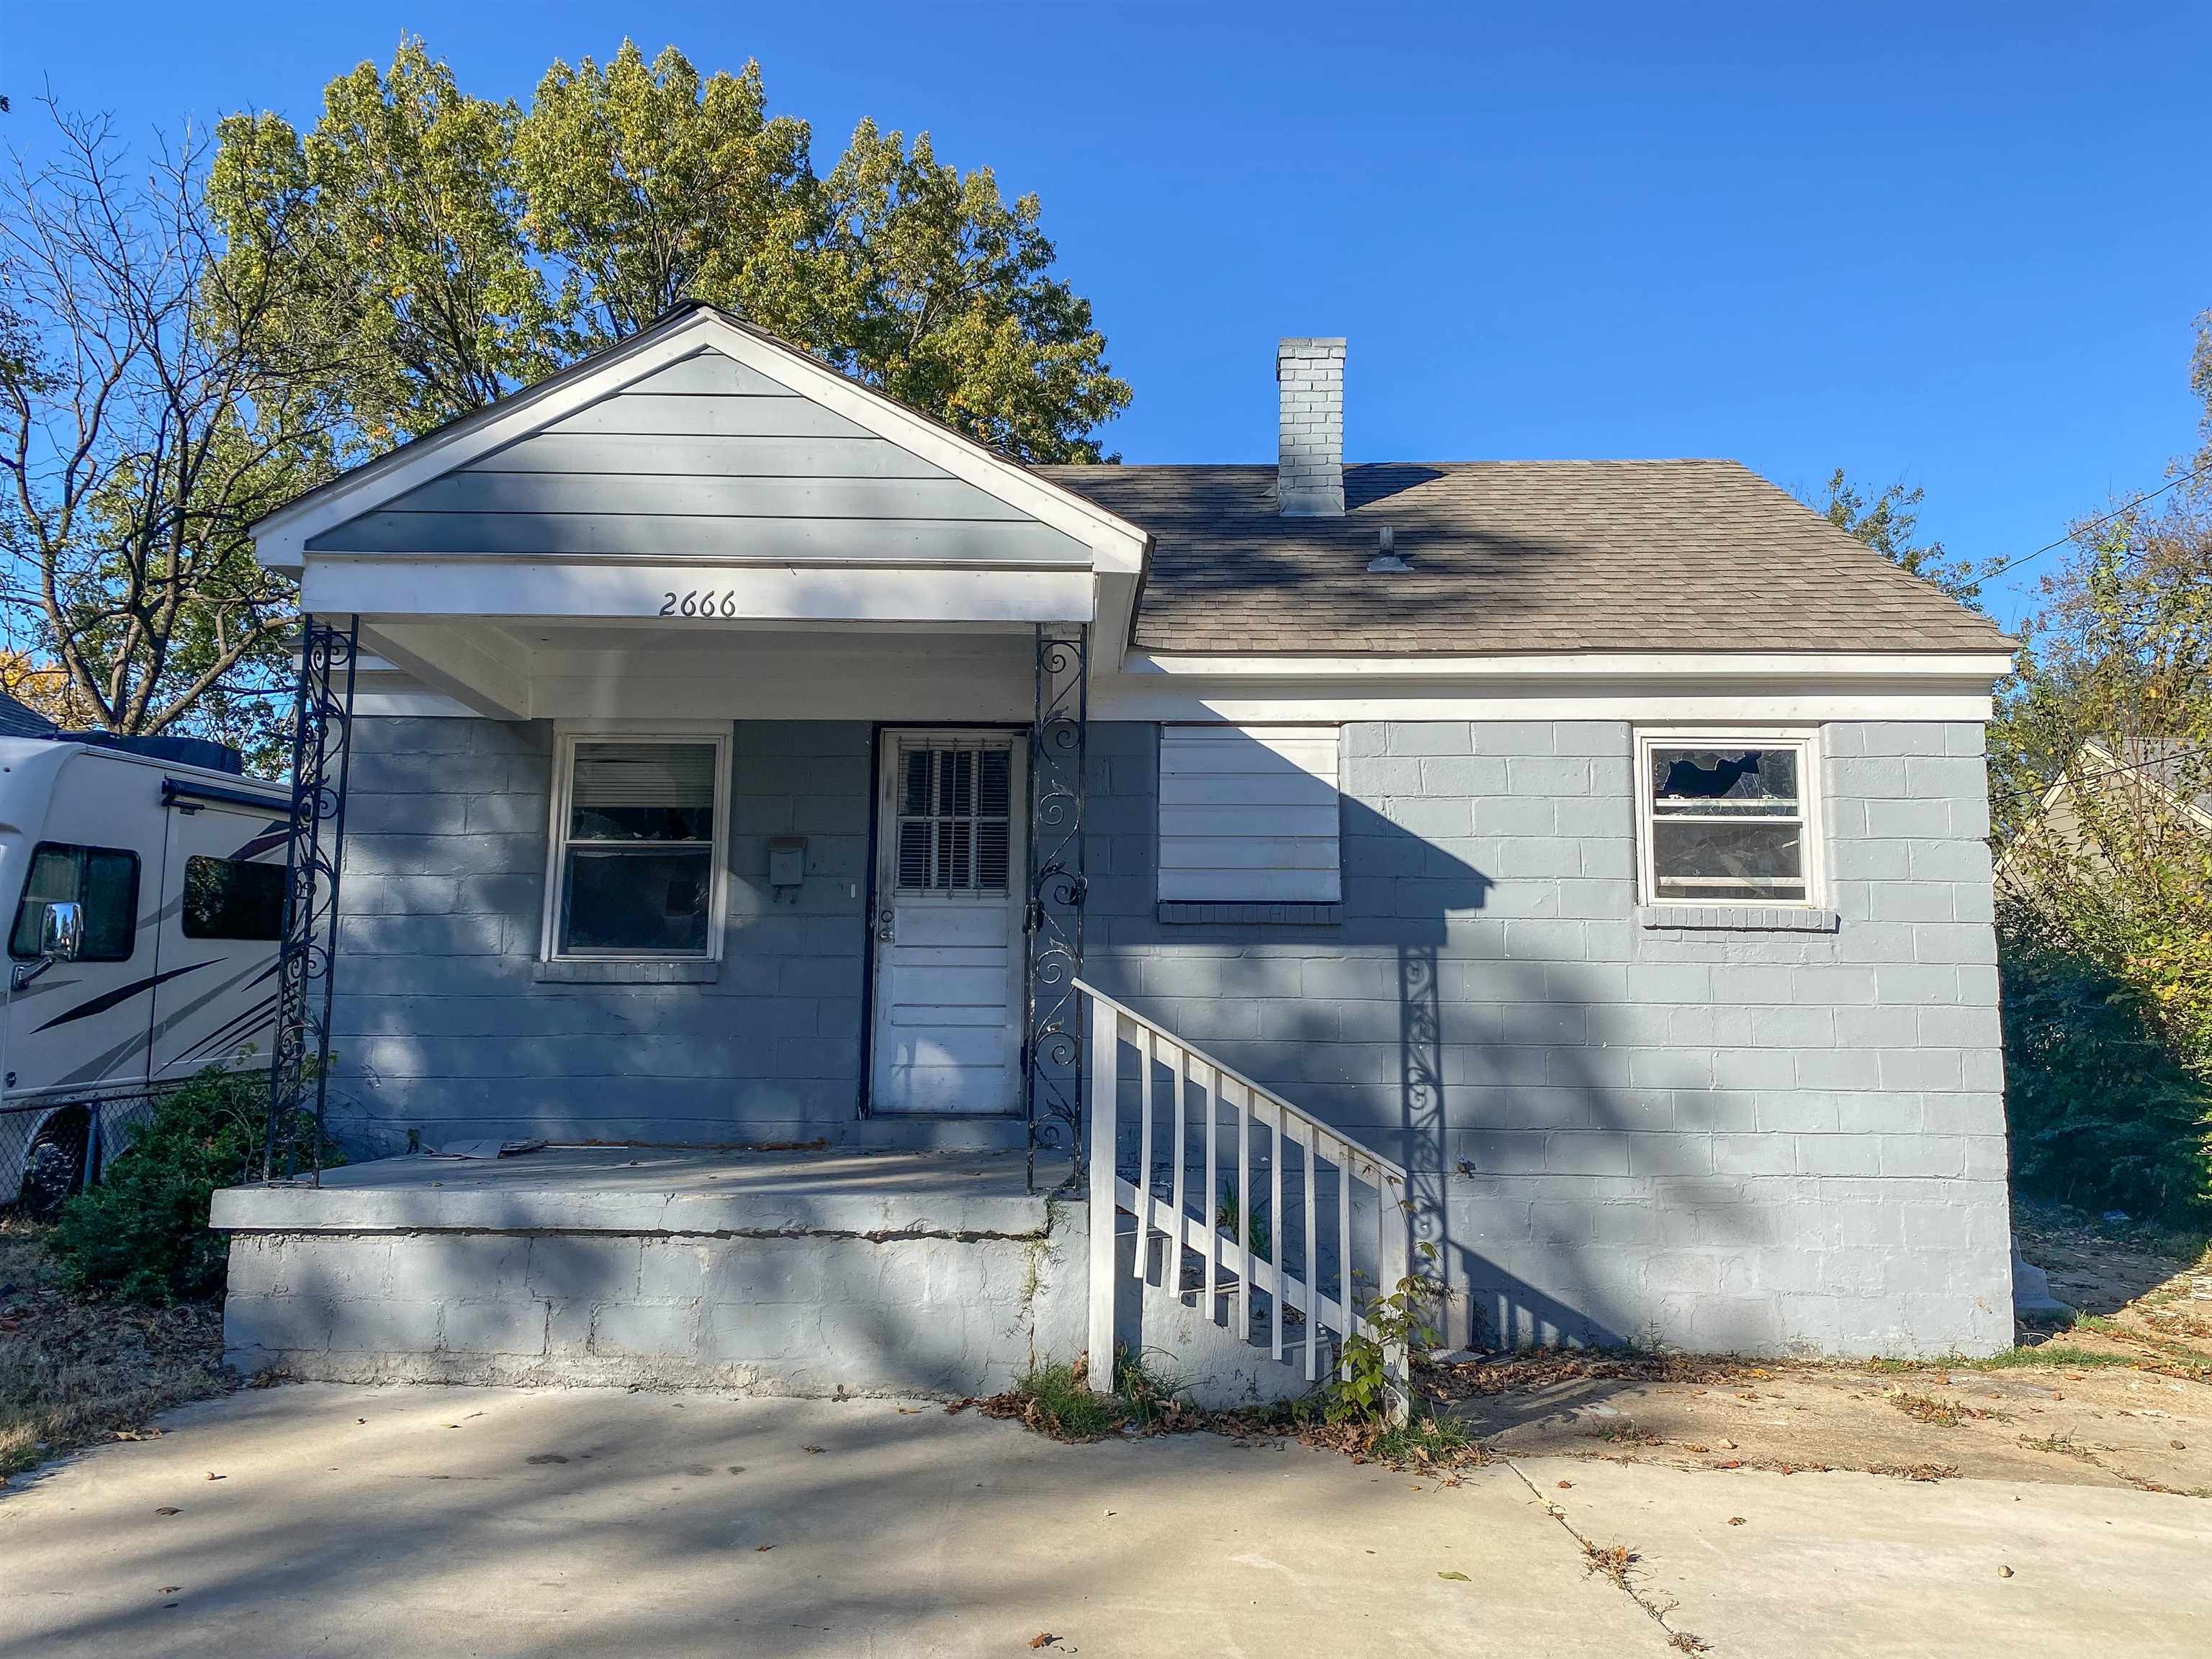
(49, 1151)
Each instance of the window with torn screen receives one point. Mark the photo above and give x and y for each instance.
(1727, 819)
(955, 815)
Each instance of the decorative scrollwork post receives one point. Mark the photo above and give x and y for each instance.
(1052, 1031)
(322, 753)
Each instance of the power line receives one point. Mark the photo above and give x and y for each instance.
(1999, 569)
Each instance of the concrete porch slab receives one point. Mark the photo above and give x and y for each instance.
(678, 1191)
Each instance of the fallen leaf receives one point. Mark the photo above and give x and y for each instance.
(1735, 1520)
(2004, 1572)
(763, 1549)
(2177, 1445)
(812, 1448)
(169, 1590)
(168, 1508)
(909, 1411)
(1457, 1577)
(212, 1475)
(1043, 1639)
(1564, 1485)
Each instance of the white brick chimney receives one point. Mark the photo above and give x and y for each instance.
(1309, 459)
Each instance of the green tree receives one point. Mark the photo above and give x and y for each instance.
(946, 304)
(2104, 921)
(1889, 523)
(441, 250)
(646, 184)
(394, 229)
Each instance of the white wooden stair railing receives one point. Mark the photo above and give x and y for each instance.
(1229, 1249)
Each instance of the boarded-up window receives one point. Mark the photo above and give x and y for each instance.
(1248, 814)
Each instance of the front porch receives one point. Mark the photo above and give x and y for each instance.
(816, 1272)
(799, 1273)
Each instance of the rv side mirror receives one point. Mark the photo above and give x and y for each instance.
(61, 931)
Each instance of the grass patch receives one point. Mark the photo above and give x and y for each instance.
(1147, 1399)
(1056, 1401)
(76, 1370)
(1427, 1441)
(2049, 1355)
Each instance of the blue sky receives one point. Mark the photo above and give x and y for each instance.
(1958, 245)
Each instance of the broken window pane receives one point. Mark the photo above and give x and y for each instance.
(1727, 824)
(1730, 781)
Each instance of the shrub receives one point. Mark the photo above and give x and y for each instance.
(2103, 1113)
(141, 1235)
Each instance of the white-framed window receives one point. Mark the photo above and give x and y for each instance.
(1728, 815)
(636, 865)
(1248, 814)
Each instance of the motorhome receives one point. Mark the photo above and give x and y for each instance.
(145, 892)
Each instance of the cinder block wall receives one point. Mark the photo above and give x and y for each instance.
(1721, 1140)
(1718, 1140)
(444, 1027)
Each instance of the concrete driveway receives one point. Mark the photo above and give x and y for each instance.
(458, 1521)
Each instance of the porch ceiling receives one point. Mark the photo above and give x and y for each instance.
(515, 669)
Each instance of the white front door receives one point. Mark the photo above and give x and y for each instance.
(950, 867)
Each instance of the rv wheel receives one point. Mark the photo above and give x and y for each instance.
(54, 1169)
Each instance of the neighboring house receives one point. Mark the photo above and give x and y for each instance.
(1603, 843)
(2160, 782)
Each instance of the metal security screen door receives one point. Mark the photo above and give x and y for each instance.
(949, 859)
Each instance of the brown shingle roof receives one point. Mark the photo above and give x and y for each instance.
(1516, 555)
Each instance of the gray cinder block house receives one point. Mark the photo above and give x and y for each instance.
(1577, 866)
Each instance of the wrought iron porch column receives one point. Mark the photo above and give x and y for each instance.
(307, 963)
(1052, 1030)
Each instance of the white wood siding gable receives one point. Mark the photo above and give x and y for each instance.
(1250, 814)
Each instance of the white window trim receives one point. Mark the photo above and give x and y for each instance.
(556, 840)
(1806, 739)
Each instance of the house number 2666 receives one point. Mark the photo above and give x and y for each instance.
(698, 604)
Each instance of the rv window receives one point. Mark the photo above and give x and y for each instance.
(230, 899)
(102, 879)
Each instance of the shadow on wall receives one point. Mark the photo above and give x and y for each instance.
(1490, 1306)
(1450, 1021)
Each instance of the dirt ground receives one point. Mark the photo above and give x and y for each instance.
(74, 1373)
(2122, 1398)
